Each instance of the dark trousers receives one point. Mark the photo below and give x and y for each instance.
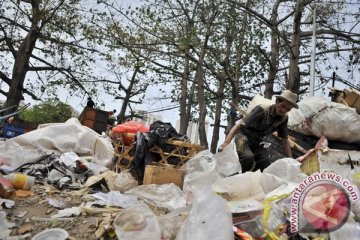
(252, 158)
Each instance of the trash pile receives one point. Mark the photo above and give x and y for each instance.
(66, 181)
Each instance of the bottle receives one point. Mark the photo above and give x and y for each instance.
(6, 189)
(21, 181)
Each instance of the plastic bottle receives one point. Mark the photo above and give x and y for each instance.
(6, 189)
(21, 181)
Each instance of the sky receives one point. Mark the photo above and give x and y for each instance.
(172, 115)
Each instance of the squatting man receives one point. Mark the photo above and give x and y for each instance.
(260, 122)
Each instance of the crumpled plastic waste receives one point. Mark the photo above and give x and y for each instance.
(137, 223)
(115, 199)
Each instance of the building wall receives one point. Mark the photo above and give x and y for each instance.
(193, 131)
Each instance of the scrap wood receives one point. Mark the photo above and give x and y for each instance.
(94, 211)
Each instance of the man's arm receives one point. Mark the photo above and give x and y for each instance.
(234, 130)
(287, 147)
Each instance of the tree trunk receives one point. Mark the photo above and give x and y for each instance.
(184, 117)
(269, 85)
(201, 93)
(220, 92)
(235, 84)
(218, 106)
(21, 64)
(294, 80)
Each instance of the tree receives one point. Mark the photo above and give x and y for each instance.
(49, 111)
(44, 48)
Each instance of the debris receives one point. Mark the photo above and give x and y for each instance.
(208, 212)
(21, 214)
(5, 226)
(115, 199)
(60, 203)
(27, 227)
(137, 223)
(21, 181)
(95, 211)
(6, 188)
(164, 173)
(105, 226)
(7, 203)
(23, 193)
(68, 212)
(168, 196)
(52, 233)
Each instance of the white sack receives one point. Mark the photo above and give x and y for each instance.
(338, 161)
(70, 136)
(259, 100)
(333, 120)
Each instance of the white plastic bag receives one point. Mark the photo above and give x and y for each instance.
(137, 223)
(227, 161)
(200, 171)
(240, 187)
(170, 223)
(209, 218)
(167, 196)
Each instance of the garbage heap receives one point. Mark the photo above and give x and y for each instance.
(76, 195)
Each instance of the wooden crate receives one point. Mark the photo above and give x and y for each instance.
(123, 155)
(180, 149)
(164, 173)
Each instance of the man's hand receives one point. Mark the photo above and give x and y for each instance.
(222, 146)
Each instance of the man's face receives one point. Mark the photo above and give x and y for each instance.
(282, 108)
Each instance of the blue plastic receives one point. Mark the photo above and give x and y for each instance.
(10, 131)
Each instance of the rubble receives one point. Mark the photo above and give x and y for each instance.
(82, 189)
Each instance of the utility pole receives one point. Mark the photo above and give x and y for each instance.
(313, 53)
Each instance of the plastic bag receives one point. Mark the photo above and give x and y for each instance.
(137, 223)
(170, 223)
(209, 218)
(200, 171)
(227, 161)
(130, 127)
(240, 187)
(167, 196)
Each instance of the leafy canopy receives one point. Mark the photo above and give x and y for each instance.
(49, 111)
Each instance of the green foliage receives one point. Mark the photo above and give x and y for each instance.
(49, 111)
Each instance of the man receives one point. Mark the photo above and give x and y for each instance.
(90, 103)
(262, 121)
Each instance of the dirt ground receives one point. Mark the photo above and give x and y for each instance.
(31, 214)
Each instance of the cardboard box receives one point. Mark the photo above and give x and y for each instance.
(352, 99)
(161, 174)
